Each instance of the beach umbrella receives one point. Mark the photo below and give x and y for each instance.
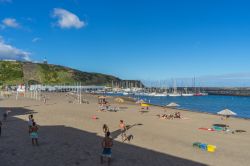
(119, 100)
(172, 105)
(145, 105)
(140, 101)
(226, 112)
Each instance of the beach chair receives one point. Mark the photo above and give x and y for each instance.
(217, 128)
(211, 148)
(113, 109)
(203, 146)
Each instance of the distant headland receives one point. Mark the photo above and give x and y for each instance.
(22, 72)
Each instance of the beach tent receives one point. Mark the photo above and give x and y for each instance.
(119, 100)
(102, 100)
(172, 105)
(140, 101)
(226, 112)
(144, 105)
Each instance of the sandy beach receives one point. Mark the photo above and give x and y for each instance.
(69, 136)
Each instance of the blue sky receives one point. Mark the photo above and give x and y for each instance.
(132, 39)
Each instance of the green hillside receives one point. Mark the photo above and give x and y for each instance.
(13, 73)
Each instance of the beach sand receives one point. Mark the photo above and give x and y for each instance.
(69, 136)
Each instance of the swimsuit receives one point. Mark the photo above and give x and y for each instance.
(34, 135)
(106, 152)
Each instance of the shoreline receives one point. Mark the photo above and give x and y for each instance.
(202, 112)
(182, 109)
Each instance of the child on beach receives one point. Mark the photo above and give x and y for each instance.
(44, 100)
(30, 122)
(107, 144)
(123, 130)
(5, 115)
(105, 129)
(33, 134)
(0, 128)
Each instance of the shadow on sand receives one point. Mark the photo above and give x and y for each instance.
(115, 134)
(67, 146)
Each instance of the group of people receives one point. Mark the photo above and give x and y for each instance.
(103, 104)
(104, 107)
(33, 129)
(107, 144)
(107, 141)
(171, 116)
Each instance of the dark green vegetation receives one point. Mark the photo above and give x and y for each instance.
(13, 73)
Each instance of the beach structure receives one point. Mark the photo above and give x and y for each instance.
(172, 105)
(119, 100)
(140, 101)
(68, 88)
(226, 112)
(145, 106)
(102, 100)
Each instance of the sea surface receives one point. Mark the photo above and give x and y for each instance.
(209, 104)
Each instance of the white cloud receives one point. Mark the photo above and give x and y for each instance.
(9, 52)
(10, 22)
(67, 19)
(36, 39)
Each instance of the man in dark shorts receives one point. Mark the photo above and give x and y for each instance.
(107, 144)
(0, 128)
(5, 114)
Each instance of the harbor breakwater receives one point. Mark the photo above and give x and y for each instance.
(228, 91)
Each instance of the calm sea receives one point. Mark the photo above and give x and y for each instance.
(210, 104)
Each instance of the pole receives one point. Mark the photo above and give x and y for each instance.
(80, 93)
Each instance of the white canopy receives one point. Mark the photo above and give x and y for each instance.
(226, 112)
(140, 101)
(173, 105)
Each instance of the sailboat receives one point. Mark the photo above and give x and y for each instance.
(175, 93)
(198, 92)
(186, 94)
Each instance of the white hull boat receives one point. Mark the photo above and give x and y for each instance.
(187, 94)
(174, 94)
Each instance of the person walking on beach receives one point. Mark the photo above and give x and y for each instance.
(33, 134)
(44, 100)
(107, 144)
(5, 115)
(30, 122)
(0, 128)
(123, 130)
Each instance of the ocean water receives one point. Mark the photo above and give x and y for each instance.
(210, 103)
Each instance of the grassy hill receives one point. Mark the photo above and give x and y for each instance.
(13, 73)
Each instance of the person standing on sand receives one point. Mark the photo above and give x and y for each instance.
(30, 122)
(0, 128)
(123, 130)
(107, 144)
(44, 100)
(33, 134)
(5, 115)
